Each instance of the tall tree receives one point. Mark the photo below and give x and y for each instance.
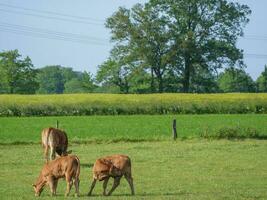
(83, 83)
(51, 80)
(141, 37)
(181, 36)
(262, 81)
(17, 75)
(235, 80)
(111, 73)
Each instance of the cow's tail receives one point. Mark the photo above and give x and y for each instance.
(46, 142)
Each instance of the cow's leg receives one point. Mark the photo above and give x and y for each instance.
(76, 184)
(105, 184)
(52, 153)
(129, 179)
(50, 181)
(55, 186)
(69, 185)
(115, 185)
(92, 187)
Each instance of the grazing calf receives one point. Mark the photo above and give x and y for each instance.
(114, 166)
(56, 140)
(66, 166)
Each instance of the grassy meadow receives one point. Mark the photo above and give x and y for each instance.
(191, 169)
(121, 104)
(196, 166)
(130, 128)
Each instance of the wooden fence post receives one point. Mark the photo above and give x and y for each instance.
(174, 129)
(57, 124)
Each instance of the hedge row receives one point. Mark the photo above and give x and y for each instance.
(120, 104)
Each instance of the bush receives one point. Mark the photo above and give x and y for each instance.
(232, 133)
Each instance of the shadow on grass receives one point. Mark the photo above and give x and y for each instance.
(139, 194)
(87, 165)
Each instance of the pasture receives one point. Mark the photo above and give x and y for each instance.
(84, 129)
(191, 169)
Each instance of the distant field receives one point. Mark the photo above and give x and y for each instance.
(129, 128)
(195, 169)
(120, 104)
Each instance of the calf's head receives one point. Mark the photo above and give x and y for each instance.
(38, 188)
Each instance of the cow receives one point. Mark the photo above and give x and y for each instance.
(114, 166)
(56, 140)
(67, 167)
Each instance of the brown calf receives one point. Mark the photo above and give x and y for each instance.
(66, 166)
(56, 140)
(114, 166)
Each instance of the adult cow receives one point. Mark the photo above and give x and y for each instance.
(56, 140)
(114, 166)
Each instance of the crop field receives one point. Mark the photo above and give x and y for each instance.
(82, 129)
(120, 104)
(191, 169)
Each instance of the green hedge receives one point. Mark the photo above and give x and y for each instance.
(120, 104)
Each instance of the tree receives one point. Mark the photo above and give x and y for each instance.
(180, 37)
(17, 75)
(262, 81)
(51, 80)
(235, 80)
(88, 82)
(84, 83)
(111, 73)
(74, 86)
(142, 40)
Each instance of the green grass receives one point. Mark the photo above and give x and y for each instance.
(191, 169)
(119, 104)
(129, 128)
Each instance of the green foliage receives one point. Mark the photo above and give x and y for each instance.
(74, 86)
(179, 38)
(262, 81)
(235, 132)
(82, 84)
(236, 80)
(111, 73)
(51, 80)
(17, 75)
(119, 104)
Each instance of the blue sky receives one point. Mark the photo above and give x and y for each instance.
(21, 21)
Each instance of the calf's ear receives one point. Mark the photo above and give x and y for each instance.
(33, 185)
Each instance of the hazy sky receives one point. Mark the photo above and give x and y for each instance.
(47, 32)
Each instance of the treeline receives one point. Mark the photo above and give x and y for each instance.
(19, 76)
(162, 46)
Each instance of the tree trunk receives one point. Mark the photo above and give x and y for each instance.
(152, 86)
(187, 74)
(160, 84)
